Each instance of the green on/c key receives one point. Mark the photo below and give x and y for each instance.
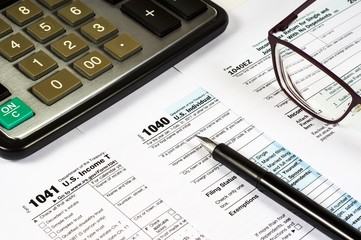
(14, 112)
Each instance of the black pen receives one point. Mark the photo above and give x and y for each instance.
(281, 192)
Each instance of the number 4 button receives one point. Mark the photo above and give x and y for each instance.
(15, 47)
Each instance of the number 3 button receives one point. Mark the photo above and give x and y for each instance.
(56, 87)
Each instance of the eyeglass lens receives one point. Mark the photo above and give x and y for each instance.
(310, 86)
(336, 44)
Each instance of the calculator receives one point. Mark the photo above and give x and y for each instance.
(64, 61)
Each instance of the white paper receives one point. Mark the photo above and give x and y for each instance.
(135, 171)
(254, 93)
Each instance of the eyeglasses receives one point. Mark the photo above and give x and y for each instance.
(317, 76)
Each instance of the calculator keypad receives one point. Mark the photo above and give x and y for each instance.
(62, 53)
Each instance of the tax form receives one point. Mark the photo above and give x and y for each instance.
(217, 202)
(136, 171)
(245, 81)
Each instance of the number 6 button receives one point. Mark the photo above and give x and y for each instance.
(56, 87)
(75, 13)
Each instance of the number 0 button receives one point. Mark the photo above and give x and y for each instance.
(56, 87)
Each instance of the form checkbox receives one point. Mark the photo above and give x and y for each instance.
(52, 235)
(42, 225)
(171, 212)
(298, 226)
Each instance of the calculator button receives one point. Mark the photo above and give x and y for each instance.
(5, 3)
(152, 16)
(5, 28)
(75, 13)
(122, 47)
(24, 12)
(15, 46)
(93, 65)
(69, 47)
(37, 65)
(98, 30)
(187, 9)
(56, 87)
(4, 92)
(52, 4)
(113, 1)
(45, 29)
(14, 112)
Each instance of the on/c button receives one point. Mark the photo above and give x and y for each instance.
(14, 112)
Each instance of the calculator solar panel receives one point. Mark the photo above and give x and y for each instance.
(63, 61)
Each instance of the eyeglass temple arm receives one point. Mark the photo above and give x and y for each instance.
(285, 23)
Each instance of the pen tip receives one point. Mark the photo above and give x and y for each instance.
(207, 143)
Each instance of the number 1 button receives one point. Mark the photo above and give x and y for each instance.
(37, 65)
(56, 87)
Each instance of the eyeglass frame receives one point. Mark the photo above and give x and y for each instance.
(273, 40)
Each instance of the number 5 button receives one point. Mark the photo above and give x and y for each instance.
(45, 30)
(56, 87)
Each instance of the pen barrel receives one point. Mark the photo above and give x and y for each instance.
(284, 194)
(239, 164)
(305, 208)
